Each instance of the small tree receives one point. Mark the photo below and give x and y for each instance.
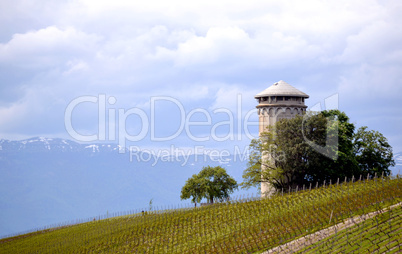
(211, 183)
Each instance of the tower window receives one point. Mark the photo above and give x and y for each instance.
(280, 98)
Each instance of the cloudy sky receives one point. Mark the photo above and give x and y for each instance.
(152, 66)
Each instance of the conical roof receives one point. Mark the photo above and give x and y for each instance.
(281, 88)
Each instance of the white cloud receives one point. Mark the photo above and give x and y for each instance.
(223, 46)
(203, 53)
(378, 43)
(46, 47)
(76, 66)
(234, 96)
(12, 116)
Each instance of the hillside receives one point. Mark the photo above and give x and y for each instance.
(377, 233)
(239, 226)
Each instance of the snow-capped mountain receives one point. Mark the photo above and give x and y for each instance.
(53, 144)
(45, 181)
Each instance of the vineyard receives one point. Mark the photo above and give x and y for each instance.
(247, 225)
(375, 235)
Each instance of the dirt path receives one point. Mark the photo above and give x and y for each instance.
(298, 244)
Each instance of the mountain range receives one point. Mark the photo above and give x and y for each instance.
(46, 181)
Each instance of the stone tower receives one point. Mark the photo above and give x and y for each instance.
(278, 101)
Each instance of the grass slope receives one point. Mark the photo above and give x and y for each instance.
(380, 234)
(242, 226)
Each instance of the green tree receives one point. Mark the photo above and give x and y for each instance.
(372, 152)
(285, 152)
(315, 148)
(210, 183)
(252, 175)
(333, 124)
(281, 152)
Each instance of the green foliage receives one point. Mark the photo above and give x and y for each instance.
(315, 148)
(239, 226)
(372, 151)
(252, 175)
(211, 183)
(344, 164)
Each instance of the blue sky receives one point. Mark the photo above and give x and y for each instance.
(206, 55)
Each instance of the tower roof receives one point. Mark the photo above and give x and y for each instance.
(281, 88)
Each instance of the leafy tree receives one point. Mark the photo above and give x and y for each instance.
(280, 152)
(333, 124)
(284, 152)
(210, 183)
(313, 148)
(252, 175)
(372, 152)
